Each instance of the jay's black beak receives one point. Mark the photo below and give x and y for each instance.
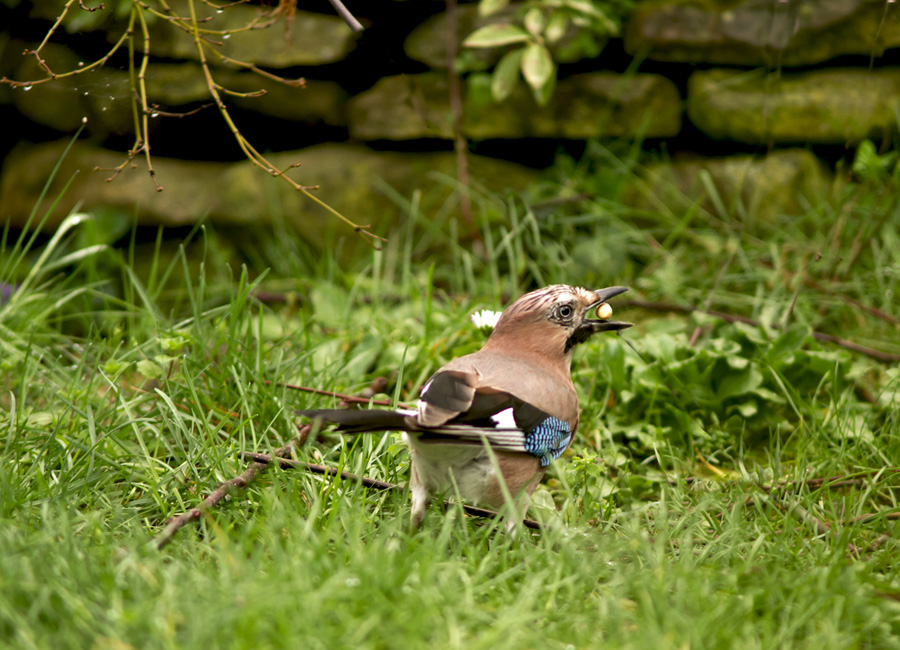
(598, 325)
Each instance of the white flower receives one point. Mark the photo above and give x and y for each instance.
(486, 319)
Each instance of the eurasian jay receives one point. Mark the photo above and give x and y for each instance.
(511, 406)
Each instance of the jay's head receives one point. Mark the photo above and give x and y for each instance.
(555, 319)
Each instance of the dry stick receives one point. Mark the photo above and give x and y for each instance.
(872, 311)
(459, 142)
(346, 15)
(887, 357)
(53, 76)
(253, 470)
(286, 463)
(250, 151)
(718, 280)
(222, 490)
(857, 479)
(821, 527)
(144, 132)
(350, 399)
(875, 515)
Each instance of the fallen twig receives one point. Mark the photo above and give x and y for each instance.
(709, 298)
(349, 399)
(821, 527)
(286, 463)
(857, 479)
(175, 523)
(734, 318)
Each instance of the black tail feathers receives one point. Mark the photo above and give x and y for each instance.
(362, 420)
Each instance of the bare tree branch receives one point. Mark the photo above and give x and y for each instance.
(354, 24)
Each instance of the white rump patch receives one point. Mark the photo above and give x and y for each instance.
(505, 419)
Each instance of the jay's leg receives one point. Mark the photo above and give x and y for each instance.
(522, 501)
(419, 498)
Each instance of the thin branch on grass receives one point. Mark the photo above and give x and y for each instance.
(709, 298)
(156, 111)
(875, 515)
(857, 479)
(821, 527)
(818, 286)
(365, 398)
(773, 492)
(252, 471)
(287, 463)
(872, 311)
(887, 357)
(255, 468)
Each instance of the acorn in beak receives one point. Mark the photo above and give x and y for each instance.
(603, 311)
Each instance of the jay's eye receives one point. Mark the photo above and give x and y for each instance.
(566, 311)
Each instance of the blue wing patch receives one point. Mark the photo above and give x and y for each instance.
(548, 440)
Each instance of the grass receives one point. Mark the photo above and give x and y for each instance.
(687, 514)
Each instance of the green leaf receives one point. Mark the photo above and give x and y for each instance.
(490, 7)
(589, 9)
(556, 27)
(506, 75)
(783, 347)
(747, 409)
(173, 344)
(535, 21)
(537, 65)
(866, 163)
(149, 369)
(496, 35)
(740, 383)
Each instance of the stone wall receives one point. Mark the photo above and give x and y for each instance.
(759, 93)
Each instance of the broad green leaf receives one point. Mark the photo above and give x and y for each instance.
(738, 363)
(150, 369)
(496, 35)
(115, 366)
(583, 6)
(490, 7)
(783, 347)
(556, 27)
(866, 162)
(535, 21)
(740, 382)
(747, 409)
(590, 9)
(537, 65)
(173, 344)
(506, 75)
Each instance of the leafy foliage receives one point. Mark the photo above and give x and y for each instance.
(540, 26)
(740, 383)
